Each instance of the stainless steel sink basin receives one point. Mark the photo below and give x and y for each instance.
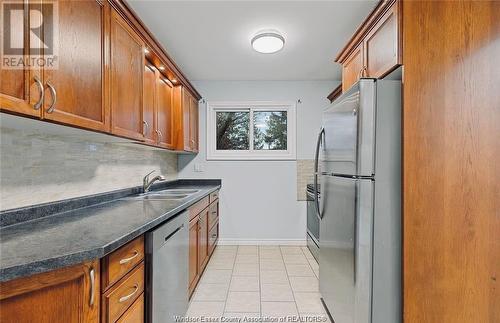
(172, 194)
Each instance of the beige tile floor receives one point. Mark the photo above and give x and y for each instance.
(271, 283)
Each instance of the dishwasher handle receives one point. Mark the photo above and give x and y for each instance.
(174, 232)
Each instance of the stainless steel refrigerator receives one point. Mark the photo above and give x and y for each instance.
(358, 163)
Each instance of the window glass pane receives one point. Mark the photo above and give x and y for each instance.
(269, 129)
(233, 130)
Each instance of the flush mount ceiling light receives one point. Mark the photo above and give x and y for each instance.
(268, 42)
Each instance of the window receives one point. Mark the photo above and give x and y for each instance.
(250, 130)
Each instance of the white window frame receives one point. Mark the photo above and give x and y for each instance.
(251, 106)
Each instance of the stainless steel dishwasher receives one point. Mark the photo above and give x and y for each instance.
(167, 270)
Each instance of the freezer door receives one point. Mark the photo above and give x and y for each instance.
(349, 132)
(346, 248)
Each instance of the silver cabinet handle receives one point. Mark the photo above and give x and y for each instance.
(127, 297)
(146, 126)
(362, 72)
(214, 235)
(92, 286)
(158, 132)
(125, 260)
(54, 98)
(316, 170)
(37, 105)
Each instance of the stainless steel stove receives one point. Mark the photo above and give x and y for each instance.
(312, 222)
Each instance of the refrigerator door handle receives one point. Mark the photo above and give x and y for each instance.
(316, 170)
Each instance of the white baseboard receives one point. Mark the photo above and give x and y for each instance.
(260, 242)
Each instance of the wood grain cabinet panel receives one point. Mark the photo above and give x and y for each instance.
(121, 261)
(186, 120)
(213, 214)
(127, 66)
(352, 68)
(149, 105)
(67, 295)
(74, 91)
(451, 158)
(381, 45)
(203, 241)
(135, 314)
(21, 89)
(375, 48)
(165, 117)
(213, 236)
(193, 124)
(123, 294)
(193, 254)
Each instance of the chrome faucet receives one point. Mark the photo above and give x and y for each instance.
(146, 182)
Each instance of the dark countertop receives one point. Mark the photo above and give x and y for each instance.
(57, 240)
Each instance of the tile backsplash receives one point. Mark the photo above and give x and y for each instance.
(37, 167)
(305, 172)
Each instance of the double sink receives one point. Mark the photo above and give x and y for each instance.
(169, 194)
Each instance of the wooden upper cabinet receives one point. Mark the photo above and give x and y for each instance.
(149, 105)
(126, 69)
(375, 48)
(21, 88)
(193, 124)
(352, 68)
(186, 120)
(381, 45)
(165, 117)
(74, 91)
(67, 295)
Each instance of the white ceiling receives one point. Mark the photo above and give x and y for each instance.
(210, 40)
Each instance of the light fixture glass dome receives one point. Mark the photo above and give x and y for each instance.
(268, 42)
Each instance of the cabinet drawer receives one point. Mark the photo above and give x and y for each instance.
(120, 262)
(213, 214)
(214, 196)
(135, 314)
(123, 294)
(213, 235)
(198, 207)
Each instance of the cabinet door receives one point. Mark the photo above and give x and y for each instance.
(193, 254)
(75, 89)
(164, 108)
(352, 68)
(193, 124)
(149, 105)
(381, 45)
(135, 313)
(186, 120)
(64, 295)
(127, 66)
(203, 241)
(213, 235)
(21, 88)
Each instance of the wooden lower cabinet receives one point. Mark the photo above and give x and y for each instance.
(135, 313)
(65, 295)
(213, 236)
(203, 240)
(193, 254)
(203, 237)
(120, 297)
(123, 283)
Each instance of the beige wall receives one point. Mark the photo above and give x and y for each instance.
(36, 167)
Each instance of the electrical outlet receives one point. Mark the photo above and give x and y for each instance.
(198, 168)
